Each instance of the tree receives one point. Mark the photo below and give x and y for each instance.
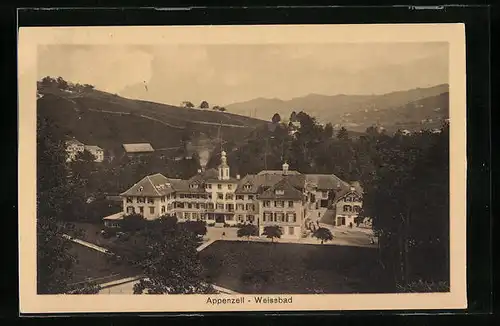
(216, 108)
(61, 83)
(272, 232)
(54, 261)
(196, 227)
(171, 264)
(204, 105)
(248, 231)
(293, 116)
(323, 234)
(222, 109)
(276, 118)
(328, 130)
(187, 104)
(133, 223)
(342, 134)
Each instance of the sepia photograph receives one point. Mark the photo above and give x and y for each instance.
(219, 169)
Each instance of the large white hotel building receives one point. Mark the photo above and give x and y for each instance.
(285, 198)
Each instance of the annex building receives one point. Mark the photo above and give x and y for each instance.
(284, 197)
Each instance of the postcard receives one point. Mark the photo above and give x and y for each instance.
(242, 168)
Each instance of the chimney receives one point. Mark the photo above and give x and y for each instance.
(199, 170)
(352, 188)
(238, 176)
(285, 168)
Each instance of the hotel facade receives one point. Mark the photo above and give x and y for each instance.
(285, 198)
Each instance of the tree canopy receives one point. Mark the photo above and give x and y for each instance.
(272, 232)
(204, 105)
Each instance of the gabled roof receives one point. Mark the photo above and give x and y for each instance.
(138, 148)
(285, 191)
(152, 186)
(354, 188)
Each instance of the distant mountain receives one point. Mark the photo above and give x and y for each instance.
(334, 108)
(107, 120)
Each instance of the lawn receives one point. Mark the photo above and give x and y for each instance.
(94, 265)
(293, 268)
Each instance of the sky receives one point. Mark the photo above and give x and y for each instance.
(225, 74)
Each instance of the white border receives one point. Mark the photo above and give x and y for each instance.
(30, 38)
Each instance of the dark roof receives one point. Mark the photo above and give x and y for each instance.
(204, 176)
(152, 186)
(288, 191)
(325, 181)
(278, 172)
(259, 182)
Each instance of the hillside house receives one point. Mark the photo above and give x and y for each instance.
(73, 148)
(138, 149)
(272, 197)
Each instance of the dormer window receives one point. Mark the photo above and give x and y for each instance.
(141, 188)
(247, 187)
(193, 186)
(279, 192)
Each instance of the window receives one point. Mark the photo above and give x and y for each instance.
(229, 196)
(210, 206)
(190, 205)
(240, 197)
(202, 205)
(250, 218)
(229, 217)
(279, 192)
(267, 217)
(357, 208)
(279, 217)
(141, 188)
(197, 206)
(203, 217)
(240, 218)
(151, 210)
(279, 204)
(195, 215)
(162, 199)
(324, 194)
(181, 196)
(291, 230)
(220, 206)
(229, 186)
(230, 207)
(347, 208)
(250, 197)
(141, 210)
(163, 209)
(348, 199)
(187, 216)
(220, 195)
(209, 186)
(267, 203)
(290, 203)
(219, 186)
(150, 200)
(130, 210)
(169, 206)
(140, 200)
(129, 200)
(247, 187)
(240, 207)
